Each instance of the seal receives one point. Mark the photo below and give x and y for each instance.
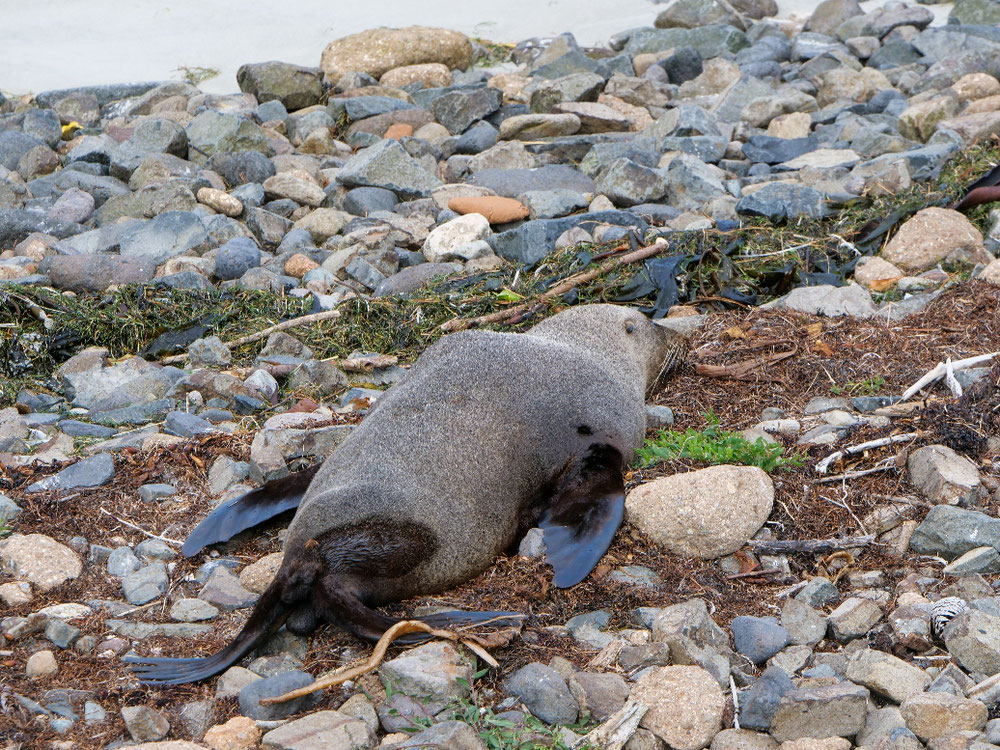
(488, 435)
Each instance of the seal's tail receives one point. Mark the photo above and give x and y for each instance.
(268, 615)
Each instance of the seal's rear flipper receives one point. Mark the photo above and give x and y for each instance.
(248, 510)
(584, 513)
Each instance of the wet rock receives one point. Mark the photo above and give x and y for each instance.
(943, 476)
(95, 471)
(686, 705)
(39, 560)
(675, 513)
(935, 235)
(544, 692)
(829, 711)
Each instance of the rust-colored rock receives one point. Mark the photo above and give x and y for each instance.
(299, 265)
(497, 210)
(399, 130)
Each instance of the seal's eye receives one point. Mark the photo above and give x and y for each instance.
(629, 327)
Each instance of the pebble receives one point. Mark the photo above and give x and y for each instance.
(41, 664)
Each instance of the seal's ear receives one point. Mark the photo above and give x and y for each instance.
(584, 514)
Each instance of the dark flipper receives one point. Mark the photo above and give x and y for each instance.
(248, 510)
(585, 512)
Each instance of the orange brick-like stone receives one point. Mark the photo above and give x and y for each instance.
(497, 210)
(399, 130)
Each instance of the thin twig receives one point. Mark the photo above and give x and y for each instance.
(736, 703)
(249, 339)
(752, 573)
(855, 474)
(140, 529)
(823, 465)
(460, 324)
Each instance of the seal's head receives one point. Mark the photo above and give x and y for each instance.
(621, 333)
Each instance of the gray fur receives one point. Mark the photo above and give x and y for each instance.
(479, 426)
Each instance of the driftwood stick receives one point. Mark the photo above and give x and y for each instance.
(810, 545)
(617, 730)
(460, 324)
(250, 338)
(950, 380)
(401, 628)
(823, 465)
(941, 369)
(855, 474)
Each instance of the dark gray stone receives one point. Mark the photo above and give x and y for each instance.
(17, 224)
(146, 584)
(236, 257)
(949, 531)
(758, 638)
(627, 183)
(296, 87)
(387, 165)
(271, 687)
(457, 110)
(412, 278)
(165, 236)
(758, 705)
(710, 41)
(211, 132)
(95, 273)
(530, 242)
(95, 471)
(683, 65)
(14, 145)
(182, 424)
(360, 107)
(770, 149)
(544, 692)
(477, 139)
(603, 154)
(103, 93)
(550, 204)
(783, 201)
(242, 167)
(136, 414)
(512, 182)
(818, 592)
(365, 200)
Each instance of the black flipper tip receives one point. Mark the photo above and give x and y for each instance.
(174, 671)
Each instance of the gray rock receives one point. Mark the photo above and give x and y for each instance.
(8, 508)
(236, 257)
(532, 545)
(363, 201)
(387, 165)
(61, 633)
(122, 561)
(458, 109)
(154, 549)
(943, 476)
(478, 138)
(17, 224)
(513, 182)
(296, 87)
(169, 234)
(853, 618)
(818, 592)
(761, 701)
(602, 155)
(770, 149)
(693, 184)
(145, 724)
(658, 417)
(544, 692)
(550, 204)
(14, 145)
(709, 41)
(974, 13)
(637, 575)
(830, 711)
(271, 687)
(433, 674)
(758, 638)
(145, 584)
(804, 624)
(269, 228)
(95, 273)
(242, 168)
(95, 471)
(211, 132)
(209, 352)
(948, 532)
(973, 639)
(453, 735)
(779, 201)
(627, 183)
(830, 301)
(533, 240)
(361, 107)
(224, 590)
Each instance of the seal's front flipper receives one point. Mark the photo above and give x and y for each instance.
(584, 513)
(255, 507)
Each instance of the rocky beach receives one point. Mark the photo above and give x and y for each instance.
(201, 292)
